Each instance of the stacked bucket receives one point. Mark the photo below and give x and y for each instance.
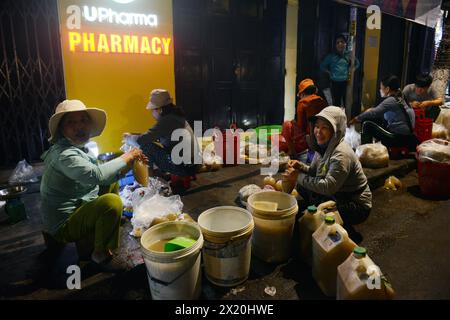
(226, 236)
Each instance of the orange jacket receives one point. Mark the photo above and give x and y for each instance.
(307, 107)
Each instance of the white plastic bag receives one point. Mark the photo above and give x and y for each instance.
(434, 150)
(247, 191)
(444, 119)
(352, 137)
(23, 173)
(132, 195)
(125, 196)
(151, 207)
(439, 132)
(210, 158)
(373, 155)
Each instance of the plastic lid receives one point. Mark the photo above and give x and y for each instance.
(312, 209)
(329, 220)
(360, 251)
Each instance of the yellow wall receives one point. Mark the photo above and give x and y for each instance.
(119, 83)
(371, 50)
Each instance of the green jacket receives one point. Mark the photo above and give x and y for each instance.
(71, 178)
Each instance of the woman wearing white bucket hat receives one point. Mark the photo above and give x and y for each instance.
(80, 199)
(169, 118)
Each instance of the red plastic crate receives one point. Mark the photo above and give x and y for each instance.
(434, 179)
(423, 129)
(420, 113)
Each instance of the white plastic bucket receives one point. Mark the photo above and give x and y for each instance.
(173, 275)
(272, 237)
(227, 248)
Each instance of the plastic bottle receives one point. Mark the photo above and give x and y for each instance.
(330, 247)
(140, 170)
(359, 278)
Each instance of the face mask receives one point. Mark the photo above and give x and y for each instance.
(155, 114)
(75, 144)
(382, 94)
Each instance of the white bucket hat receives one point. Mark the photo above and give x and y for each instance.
(98, 117)
(159, 98)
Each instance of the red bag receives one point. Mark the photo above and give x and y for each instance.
(291, 132)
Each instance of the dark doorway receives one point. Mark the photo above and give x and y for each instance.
(391, 48)
(229, 61)
(421, 53)
(320, 21)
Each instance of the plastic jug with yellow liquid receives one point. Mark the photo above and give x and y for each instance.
(359, 278)
(140, 171)
(330, 247)
(310, 221)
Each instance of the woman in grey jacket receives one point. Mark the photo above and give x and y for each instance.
(335, 172)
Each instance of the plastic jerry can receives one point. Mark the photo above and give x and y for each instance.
(309, 222)
(359, 278)
(330, 207)
(330, 247)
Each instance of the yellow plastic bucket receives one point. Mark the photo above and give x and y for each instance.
(272, 237)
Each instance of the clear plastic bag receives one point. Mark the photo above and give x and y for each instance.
(352, 137)
(444, 119)
(132, 195)
(23, 173)
(210, 158)
(247, 191)
(392, 183)
(439, 132)
(434, 150)
(373, 155)
(151, 207)
(125, 196)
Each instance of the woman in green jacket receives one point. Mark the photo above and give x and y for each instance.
(80, 200)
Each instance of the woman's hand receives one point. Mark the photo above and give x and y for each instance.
(415, 104)
(290, 174)
(132, 155)
(298, 165)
